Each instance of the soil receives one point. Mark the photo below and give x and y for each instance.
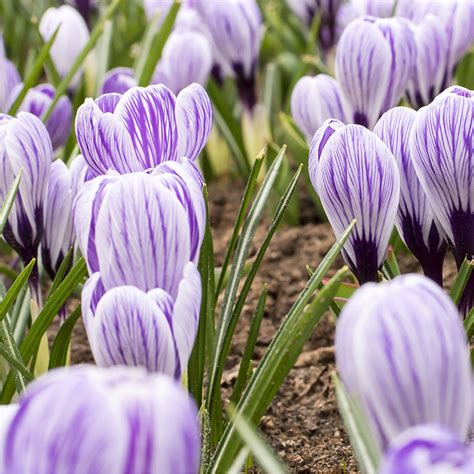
(302, 424)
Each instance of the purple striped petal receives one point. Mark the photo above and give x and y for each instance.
(129, 328)
(71, 39)
(92, 293)
(316, 99)
(358, 179)
(402, 351)
(24, 145)
(119, 81)
(122, 421)
(194, 64)
(415, 219)
(7, 413)
(194, 121)
(142, 235)
(319, 141)
(372, 52)
(431, 62)
(428, 448)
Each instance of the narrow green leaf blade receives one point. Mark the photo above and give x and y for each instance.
(461, 280)
(9, 200)
(60, 348)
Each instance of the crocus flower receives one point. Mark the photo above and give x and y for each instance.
(429, 73)
(85, 7)
(25, 145)
(7, 412)
(442, 154)
(357, 178)
(9, 77)
(428, 449)
(194, 64)
(119, 420)
(374, 62)
(415, 219)
(316, 99)
(37, 101)
(327, 9)
(236, 30)
(118, 80)
(141, 307)
(59, 237)
(70, 41)
(143, 128)
(401, 350)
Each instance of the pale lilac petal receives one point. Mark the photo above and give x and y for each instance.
(148, 115)
(7, 413)
(316, 99)
(142, 235)
(130, 329)
(319, 141)
(402, 351)
(363, 59)
(91, 294)
(431, 62)
(194, 121)
(358, 179)
(119, 81)
(415, 219)
(194, 64)
(428, 448)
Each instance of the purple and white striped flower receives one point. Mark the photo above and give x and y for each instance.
(428, 449)
(72, 37)
(122, 421)
(402, 351)
(443, 157)
(141, 306)
(373, 52)
(59, 236)
(118, 80)
(194, 64)
(306, 10)
(429, 73)
(357, 178)
(24, 145)
(37, 101)
(143, 128)
(316, 99)
(415, 220)
(9, 77)
(236, 31)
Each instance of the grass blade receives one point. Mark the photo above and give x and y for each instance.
(278, 360)
(94, 37)
(15, 289)
(248, 194)
(156, 47)
(265, 456)
(224, 333)
(60, 349)
(461, 280)
(243, 374)
(206, 318)
(469, 324)
(360, 435)
(9, 200)
(35, 72)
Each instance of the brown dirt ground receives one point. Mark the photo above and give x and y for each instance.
(302, 424)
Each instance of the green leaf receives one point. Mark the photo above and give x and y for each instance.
(265, 456)
(362, 439)
(465, 71)
(60, 349)
(15, 289)
(61, 273)
(469, 324)
(152, 50)
(390, 267)
(94, 37)
(103, 55)
(296, 140)
(227, 321)
(31, 342)
(229, 127)
(35, 72)
(280, 357)
(461, 280)
(9, 200)
(246, 360)
(206, 318)
(248, 194)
